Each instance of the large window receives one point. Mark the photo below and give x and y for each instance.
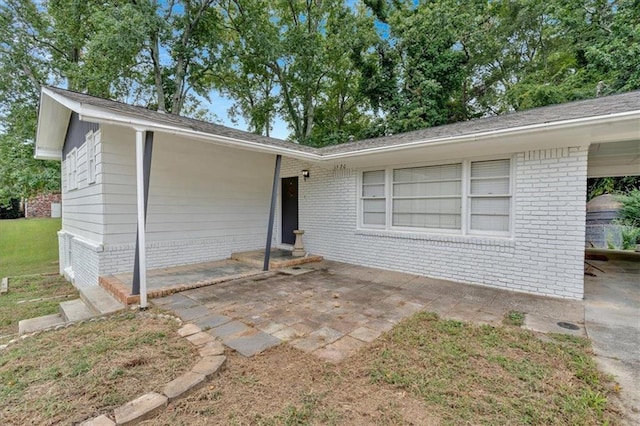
(373, 198)
(428, 197)
(466, 197)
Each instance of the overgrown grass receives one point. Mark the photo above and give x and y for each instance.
(66, 376)
(424, 371)
(514, 318)
(28, 246)
(486, 375)
(31, 296)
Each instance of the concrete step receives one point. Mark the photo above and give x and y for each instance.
(40, 323)
(99, 301)
(75, 310)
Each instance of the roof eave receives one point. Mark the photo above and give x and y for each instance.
(99, 115)
(495, 134)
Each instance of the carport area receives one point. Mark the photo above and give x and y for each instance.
(612, 319)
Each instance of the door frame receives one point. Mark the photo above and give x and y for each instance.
(279, 242)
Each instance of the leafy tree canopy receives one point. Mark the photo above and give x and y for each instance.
(333, 70)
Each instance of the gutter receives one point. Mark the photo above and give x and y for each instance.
(99, 115)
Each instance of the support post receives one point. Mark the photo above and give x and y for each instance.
(148, 150)
(141, 204)
(272, 213)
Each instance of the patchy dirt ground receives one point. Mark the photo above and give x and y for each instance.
(67, 376)
(425, 371)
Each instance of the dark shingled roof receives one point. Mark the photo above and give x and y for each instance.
(602, 106)
(176, 120)
(606, 105)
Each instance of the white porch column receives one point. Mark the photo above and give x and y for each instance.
(142, 258)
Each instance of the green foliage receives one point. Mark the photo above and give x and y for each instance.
(332, 70)
(611, 185)
(630, 212)
(629, 218)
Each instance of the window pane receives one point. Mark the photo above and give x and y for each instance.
(430, 173)
(373, 190)
(490, 206)
(490, 222)
(425, 220)
(427, 189)
(376, 176)
(373, 206)
(431, 206)
(373, 218)
(490, 186)
(490, 168)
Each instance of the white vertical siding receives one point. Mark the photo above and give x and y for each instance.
(205, 201)
(82, 207)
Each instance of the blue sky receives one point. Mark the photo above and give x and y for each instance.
(220, 105)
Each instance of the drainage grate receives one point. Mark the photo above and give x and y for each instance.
(568, 325)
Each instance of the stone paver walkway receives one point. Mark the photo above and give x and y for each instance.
(332, 309)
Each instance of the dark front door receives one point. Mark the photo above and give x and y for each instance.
(289, 209)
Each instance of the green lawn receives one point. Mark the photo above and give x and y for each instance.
(28, 246)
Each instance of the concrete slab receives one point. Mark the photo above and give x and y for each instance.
(211, 320)
(99, 301)
(140, 409)
(192, 312)
(209, 365)
(212, 349)
(201, 339)
(317, 339)
(40, 323)
(183, 385)
(252, 344)
(4, 285)
(98, 421)
(365, 334)
(188, 330)
(543, 324)
(177, 300)
(229, 329)
(340, 349)
(75, 310)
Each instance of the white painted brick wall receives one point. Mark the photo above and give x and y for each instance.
(545, 256)
(79, 259)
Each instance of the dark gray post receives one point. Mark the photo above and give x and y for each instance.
(272, 213)
(148, 149)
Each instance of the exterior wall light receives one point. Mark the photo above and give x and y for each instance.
(306, 174)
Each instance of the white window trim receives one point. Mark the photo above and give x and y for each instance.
(72, 170)
(90, 140)
(465, 219)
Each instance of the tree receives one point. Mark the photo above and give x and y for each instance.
(294, 58)
(147, 51)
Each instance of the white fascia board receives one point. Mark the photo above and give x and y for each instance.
(46, 121)
(47, 154)
(101, 116)
(70, 104)
(492, 134)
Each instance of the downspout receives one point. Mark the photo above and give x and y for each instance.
(272, 213)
